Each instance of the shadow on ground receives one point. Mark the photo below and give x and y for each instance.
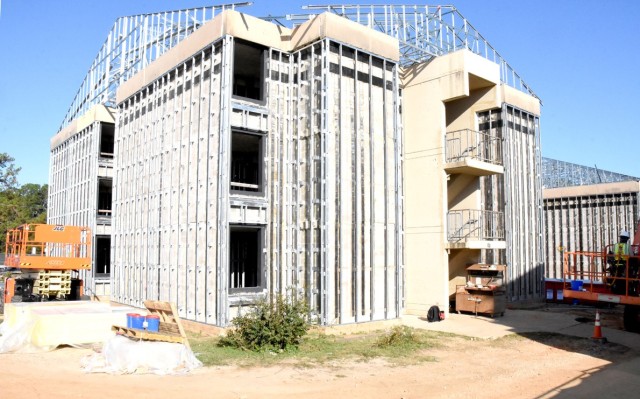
(551, 325)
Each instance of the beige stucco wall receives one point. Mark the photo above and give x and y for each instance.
(441, 96)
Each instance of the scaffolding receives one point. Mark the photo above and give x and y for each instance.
(557, 173)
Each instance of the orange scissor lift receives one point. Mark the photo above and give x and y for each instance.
(44, 258)
(606, 277)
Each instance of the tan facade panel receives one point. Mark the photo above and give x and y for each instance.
(592, 189)
(332, 26)
(98, 113)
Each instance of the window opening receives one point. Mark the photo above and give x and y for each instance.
(248, 70)
(104, 197)
(107, 132)
(246, 165)
(245, 259)
(102, 264)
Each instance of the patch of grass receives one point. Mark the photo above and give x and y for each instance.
(399, 336)
(398, 346)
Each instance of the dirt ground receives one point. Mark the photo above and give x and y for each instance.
(463, 368)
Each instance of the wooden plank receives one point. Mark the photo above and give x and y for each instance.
(169, 330)
(149, 335)
(158, 305)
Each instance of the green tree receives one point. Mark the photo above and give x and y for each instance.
(18, 205)
(8, 172)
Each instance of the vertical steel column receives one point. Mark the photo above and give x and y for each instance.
(224, 164)
(339, 183)
(291, 221)
(324, 132)
(274, 153)
(372, 199)
(386, 188)
(399, 193)
(200, 194)
(299, 183)
(357, 222)
(210, 291)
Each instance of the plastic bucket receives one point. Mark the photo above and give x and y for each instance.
(137, 321)
(153, 322)
(130, 317)
(576, 285)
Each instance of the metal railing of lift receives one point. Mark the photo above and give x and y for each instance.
(467, 143)
(475, 224)
(618, 272)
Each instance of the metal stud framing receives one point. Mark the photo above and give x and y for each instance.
(74, 176)
(133, 42)
(587, 222)
(424, 32)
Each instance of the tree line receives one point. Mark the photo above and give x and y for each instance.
(18, 204)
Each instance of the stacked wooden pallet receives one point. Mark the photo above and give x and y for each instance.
(170, 329)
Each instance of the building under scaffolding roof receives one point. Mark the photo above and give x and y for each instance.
(362, 158)
(585, 209)
(557, 173)
(423, 32)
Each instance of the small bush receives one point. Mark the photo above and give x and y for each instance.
(398, 336)
(276, 325)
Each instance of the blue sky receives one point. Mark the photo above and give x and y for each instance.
(580, 57)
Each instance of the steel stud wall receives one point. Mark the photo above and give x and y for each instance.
(518, 194)
(166, 201)
(587, 221)
(332, 200)
(523, 204)
(73, 191)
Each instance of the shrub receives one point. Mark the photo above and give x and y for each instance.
(276, 325)
(398, 336)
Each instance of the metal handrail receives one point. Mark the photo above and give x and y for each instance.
(467, 143)
(470, 224)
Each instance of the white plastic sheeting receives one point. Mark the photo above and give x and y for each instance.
(121, 355)
(43, 326)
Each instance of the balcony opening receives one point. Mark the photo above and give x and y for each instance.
(104, 197)
(246, 164)
(102, 265)
(107, 133)
(245, 258)
(475, 224)
(248, 70)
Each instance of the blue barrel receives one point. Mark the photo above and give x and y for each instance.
(153, 322)
(137, 321)
(576, 285)
(130, 317)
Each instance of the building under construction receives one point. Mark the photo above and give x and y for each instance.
(361, 159)
(585, 209)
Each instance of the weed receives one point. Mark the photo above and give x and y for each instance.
(398, 336)
(278, 325)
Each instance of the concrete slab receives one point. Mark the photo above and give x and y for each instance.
(520, 321)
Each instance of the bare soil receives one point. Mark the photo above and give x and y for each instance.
(512, 367)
